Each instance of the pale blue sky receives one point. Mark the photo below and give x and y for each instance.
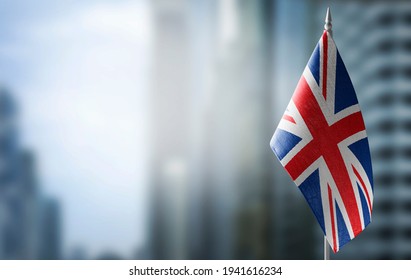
(79, 70)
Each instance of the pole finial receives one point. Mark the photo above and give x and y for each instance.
(328, 26)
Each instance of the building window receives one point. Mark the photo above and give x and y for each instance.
(386, 180)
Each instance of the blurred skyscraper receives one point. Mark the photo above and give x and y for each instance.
(170, 137)
(377, 49)
(237, 179)
(23, 230)
(17, 191)
(211, 108)
(50, 230)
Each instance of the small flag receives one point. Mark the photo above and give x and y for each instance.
(322, 143)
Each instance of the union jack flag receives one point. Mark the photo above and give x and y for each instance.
(322, 143)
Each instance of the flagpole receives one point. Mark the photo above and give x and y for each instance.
(327, 26)
(326, 249)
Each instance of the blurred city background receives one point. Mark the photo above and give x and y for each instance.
(140, 129)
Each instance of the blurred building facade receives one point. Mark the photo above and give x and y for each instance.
(28, 227)
(216, 193)
(50, 230)
(237, 179)
(377, 51)
(211, 181)
(170, 120)
(17, 192)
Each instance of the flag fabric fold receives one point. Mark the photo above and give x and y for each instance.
(322, 143)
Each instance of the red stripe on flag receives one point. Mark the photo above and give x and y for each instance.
(325, 62)
(289, 118)
(363, 187)
(330, 200)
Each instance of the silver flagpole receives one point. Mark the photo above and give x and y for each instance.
(326, 249)
(327, 26)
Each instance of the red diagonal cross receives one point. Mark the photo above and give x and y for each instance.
(324, 143)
